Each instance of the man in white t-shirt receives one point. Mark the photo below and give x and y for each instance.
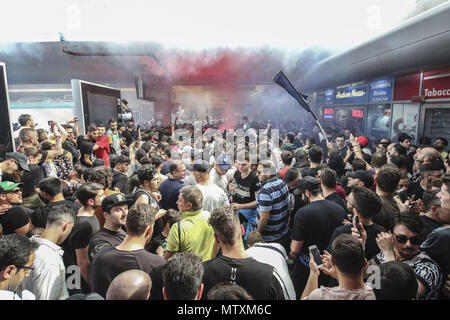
(213, 196)
(218, 174)
(275, 255)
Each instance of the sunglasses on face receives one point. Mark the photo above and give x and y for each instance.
(404, 239)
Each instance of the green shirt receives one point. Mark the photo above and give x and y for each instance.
(197, 235)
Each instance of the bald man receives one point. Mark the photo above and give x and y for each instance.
(130, 285)
(424, 156)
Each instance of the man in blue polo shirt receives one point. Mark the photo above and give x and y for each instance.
(272, 210)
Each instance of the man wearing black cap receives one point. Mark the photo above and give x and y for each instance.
(213, 196)
(360, 178)
(115, 211)
(313, 225)
(16, 218)
(13, 166)
(129, 254)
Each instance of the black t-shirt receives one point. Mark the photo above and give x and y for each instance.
(314, 223)
(428, 225)
(104, 238)
(336, 198)
(255, 277)
(415, 188)
(119, 180)
(110, 262)
(129, 136)
(30, 179)
(246, 188)
(79, 238)
(15, 218)
(39, 216)
(372, 231)
(86, 147)
(72, 148)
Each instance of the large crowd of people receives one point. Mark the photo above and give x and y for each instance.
(121, 213)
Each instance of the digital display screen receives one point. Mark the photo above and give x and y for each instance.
(328, 111)
(101, 107)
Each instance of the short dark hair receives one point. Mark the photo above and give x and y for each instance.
(328, 177)
(101, 125)
(358, 164)
(87, 172)
(51, 186)
(315, 154)
(146, 146)
(291, 137)
(286, 157)
(388, 178)
(228, 291)
(111, 121)
(301, 156)
(140, 217)
(401, 161)
(424, 141)
(348, 254)
(23, 118)
(367, 202)
(400, 149)
(430, 199)
(140, 154)
(254, 237)
(398, 282)
(403, 136)
(182, 276)
(87, 191)
(379, 159)
(146, 172)
(171, 217)
(444, 141)
(121, 159)
(156, 160)
(15, 250)
(291, 175)
(91, 128)
(225, 223)
(411, 221)
(102, 175)
(60, 214)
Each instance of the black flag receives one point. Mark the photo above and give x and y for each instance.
(284, 82)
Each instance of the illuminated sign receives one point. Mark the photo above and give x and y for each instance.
(358, 113)
(326, 97)
(328, 111)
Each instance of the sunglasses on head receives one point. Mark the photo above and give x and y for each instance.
(417, 240)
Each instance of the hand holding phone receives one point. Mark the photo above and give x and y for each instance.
(316, 255)
(357, 224)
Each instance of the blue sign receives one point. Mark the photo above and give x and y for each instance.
(325, 97)
(350, 94)
(380, 90)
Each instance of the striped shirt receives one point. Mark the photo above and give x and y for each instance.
(273, 197)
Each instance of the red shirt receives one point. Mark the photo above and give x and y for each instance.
(103, 151)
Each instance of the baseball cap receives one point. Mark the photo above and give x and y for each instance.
(8, 186)
(114, 200)
(309, 183)
(364, 176)
(200, 166)
(20, 158)
(223, 161)
(363, 141)
(286, 146)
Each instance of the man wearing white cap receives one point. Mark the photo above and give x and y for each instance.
(218, 173)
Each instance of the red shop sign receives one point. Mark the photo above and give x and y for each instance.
(358, 113)
(436, 88)
(328, 111)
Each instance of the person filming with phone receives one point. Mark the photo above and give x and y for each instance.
(346, 263)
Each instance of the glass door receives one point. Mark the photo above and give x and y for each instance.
(437, 121)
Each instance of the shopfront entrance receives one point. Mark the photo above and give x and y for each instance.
(436, 121)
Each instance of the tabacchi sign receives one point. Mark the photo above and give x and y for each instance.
(436, 88)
